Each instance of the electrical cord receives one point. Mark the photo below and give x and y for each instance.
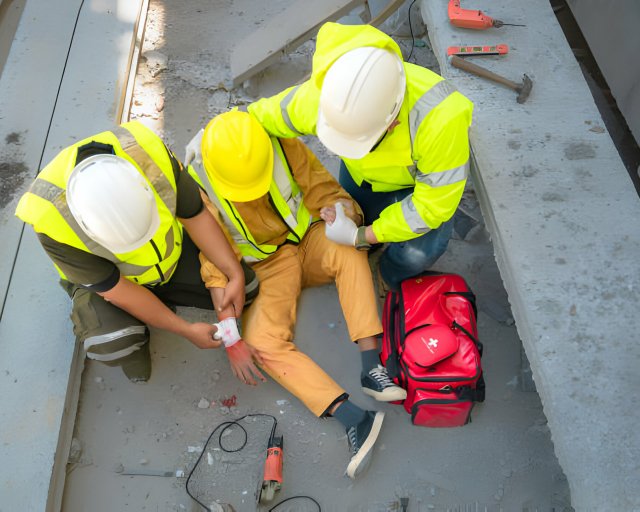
(224, 426)
(413, 39)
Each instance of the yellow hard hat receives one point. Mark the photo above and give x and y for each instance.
(238, 156)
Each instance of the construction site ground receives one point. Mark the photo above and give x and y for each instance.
(113, 439)
(504, 460)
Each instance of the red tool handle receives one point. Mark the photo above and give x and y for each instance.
(273, 464)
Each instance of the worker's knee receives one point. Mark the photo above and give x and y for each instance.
(108, 333)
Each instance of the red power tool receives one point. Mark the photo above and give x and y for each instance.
(272, 479)
(471, 18)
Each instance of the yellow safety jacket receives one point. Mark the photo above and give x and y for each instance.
(285, 195)
(45, 207)
(428, 151)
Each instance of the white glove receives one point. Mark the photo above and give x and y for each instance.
(193, 151)
(343, 230)
(227, 332)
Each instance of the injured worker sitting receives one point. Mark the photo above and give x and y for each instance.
(276, 200)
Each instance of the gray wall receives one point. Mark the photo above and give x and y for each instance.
(612, 30)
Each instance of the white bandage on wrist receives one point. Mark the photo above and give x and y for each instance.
(227, 332)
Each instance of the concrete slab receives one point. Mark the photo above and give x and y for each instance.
(277, 35)
(73, 97)
(559, 205)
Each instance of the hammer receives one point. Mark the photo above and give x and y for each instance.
(522, 89)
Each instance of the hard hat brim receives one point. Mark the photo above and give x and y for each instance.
(343, 145)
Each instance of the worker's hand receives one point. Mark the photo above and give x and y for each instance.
(241, 358)
(234, 294)
(342, 230)
(202, 335)
(193, 151)
(328, 213)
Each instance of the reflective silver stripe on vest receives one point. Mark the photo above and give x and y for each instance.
(422, 108)
(426, 103)
(442, 178)
(149, 167)
(113, 336)
(283, 184)
(283, 109)
(412, 217)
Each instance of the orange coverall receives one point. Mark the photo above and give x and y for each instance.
(269, 322)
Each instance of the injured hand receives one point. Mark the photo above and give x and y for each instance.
(241, 358)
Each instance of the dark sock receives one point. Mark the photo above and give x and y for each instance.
(370, 359)
(349, 414)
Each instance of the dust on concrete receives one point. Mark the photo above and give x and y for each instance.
(12, 177)
(579, 151)
(13, 171)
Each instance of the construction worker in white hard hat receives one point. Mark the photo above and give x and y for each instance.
(110, 211)
(401, 131)
(272, 196)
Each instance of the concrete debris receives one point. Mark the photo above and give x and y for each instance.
(203, 403)
(282, 402)
(143, 462)
(194, 449)
(156, 62)
(218, 102)
(201, 76)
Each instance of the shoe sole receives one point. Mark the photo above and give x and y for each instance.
(388, 395)
(361, 459)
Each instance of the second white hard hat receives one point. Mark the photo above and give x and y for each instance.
(361, 96)
(113, 203)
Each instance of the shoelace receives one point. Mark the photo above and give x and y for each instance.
(353, 439)
(381, 376)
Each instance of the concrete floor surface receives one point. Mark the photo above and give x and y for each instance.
(503, 460)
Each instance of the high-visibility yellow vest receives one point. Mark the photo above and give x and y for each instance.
(285, 195)
(45, 207)
(428, 151)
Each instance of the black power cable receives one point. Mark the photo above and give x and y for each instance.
(224, 426)
(413, 39)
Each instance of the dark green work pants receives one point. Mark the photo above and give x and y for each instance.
(114, 337)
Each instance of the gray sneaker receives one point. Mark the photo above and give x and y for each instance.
(361, 439)
(379, 385)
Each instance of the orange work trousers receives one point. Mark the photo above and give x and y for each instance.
(269, 322)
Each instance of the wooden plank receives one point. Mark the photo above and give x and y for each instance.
(39, 363)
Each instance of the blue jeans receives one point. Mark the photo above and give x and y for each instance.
(400, 260)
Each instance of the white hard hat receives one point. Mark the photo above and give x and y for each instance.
(113, 203)
(361, 96)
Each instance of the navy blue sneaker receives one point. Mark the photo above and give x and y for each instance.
(379, 385)
(361, 439)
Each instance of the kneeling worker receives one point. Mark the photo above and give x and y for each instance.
(270, 193)
(109, 211)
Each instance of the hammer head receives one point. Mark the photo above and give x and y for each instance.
(524, 89)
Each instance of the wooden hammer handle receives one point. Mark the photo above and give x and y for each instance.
(460, 63)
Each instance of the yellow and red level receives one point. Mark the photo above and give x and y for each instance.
(498, 49)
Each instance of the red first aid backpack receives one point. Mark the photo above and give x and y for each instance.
(430, 347)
